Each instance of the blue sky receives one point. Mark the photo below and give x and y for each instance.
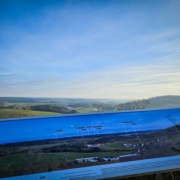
(89, 49)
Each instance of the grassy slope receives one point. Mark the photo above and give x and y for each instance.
(12, 113)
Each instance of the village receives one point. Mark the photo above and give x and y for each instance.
(96, 159)
(84, 151)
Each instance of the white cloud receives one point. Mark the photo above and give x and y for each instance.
(94, 55)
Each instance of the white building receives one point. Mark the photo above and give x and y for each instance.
(127, 155)
(89, 159)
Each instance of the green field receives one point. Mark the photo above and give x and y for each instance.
(17, 158)
(73, 155)
(13, 113)
(4, 161)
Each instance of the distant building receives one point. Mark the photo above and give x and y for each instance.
(127, 145)
(127, 155)
(70, 108)
(90, 159)
(93, 145)
(111, 159)
(89, 145)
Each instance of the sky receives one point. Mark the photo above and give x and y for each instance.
(126, 49)
(27, 129)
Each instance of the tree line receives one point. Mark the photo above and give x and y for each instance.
(133, 105)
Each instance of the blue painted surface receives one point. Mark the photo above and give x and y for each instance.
(27, 129)
(52, 127)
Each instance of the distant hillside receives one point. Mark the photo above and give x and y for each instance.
(16, 99)
(151, 103)
(133, 105)
(164, 102)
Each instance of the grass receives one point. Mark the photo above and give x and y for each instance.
(74, 155)
(4, 161)
(13, 113)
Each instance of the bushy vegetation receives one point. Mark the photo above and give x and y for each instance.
(58, 109)
(133, 105)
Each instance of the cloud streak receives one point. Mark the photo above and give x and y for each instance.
(74, 51)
